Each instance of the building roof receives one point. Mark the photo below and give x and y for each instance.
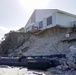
(57, 10)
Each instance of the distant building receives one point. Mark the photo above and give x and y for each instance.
(42, 19)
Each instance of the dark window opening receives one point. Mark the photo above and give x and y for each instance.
(49, 20)
(41, 24)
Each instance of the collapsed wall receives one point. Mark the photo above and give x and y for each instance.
(49, 41)
(13, 40)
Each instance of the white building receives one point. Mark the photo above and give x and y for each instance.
(46, 18)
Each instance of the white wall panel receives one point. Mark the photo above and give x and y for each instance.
(41, 14)
(64, 20)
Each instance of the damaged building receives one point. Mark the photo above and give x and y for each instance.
(60, 24)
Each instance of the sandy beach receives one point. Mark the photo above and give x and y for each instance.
(7, 70)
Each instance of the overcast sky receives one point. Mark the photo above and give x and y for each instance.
(15, 13)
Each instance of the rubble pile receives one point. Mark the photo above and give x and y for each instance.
(66, 67)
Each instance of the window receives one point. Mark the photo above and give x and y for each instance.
(41, 24)
(49, 20)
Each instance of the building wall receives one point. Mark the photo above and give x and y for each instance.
(64, 20)
(31, 20)
(58, 18)
(41, 15)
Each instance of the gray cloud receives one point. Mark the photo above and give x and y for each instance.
(12, 16)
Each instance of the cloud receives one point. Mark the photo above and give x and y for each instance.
(65, 5)
(30, 5)
(4, 29)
